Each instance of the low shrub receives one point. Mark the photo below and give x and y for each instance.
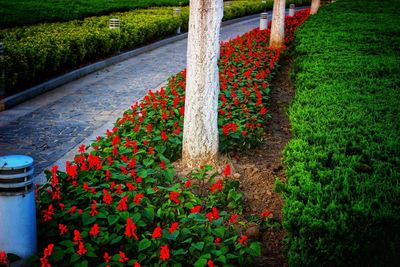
(36, 53)
(118, 203)
(343, 164)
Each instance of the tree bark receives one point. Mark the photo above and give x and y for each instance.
(200, 130)
(314, 6)
(278, 25)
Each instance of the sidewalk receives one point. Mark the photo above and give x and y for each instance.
(50, 127)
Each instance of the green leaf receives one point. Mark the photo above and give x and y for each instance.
(67, 243)
(149, 213)
(82, 264)
(112, 219)
(255, 249)
(143, 244)
(220, 231)
(58, 255)
(200, 263)
(198, 245)
(74, 257)
(87, 218)
(116, 240)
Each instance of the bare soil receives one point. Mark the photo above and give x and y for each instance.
(260, 167)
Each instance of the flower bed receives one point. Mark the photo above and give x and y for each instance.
(119, 203)
(36, 53)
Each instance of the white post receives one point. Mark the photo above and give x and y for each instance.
(292, 9)
(263, 21)
(177, 13)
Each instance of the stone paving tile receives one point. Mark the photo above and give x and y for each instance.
(50, 125)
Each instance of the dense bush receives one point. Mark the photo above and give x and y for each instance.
(342, 196)
(119, 204)
(36, 53)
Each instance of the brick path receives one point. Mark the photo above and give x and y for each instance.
(51, 125)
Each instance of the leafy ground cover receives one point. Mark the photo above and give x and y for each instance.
(36, 53)
(343, 165)
(119, 203)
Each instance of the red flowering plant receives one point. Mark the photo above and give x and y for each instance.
(118, 202)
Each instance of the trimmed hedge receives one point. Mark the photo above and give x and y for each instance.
(36, 53)
(342, 195)
(30, 12)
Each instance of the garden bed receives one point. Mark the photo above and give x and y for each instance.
(119, 202)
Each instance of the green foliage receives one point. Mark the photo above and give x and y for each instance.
(343, 165)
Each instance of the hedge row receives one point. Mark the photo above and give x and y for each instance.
(119, 204)
(30, 12)
(342, 196)
(36, 53)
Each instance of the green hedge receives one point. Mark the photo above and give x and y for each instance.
(36, 53)
(342, 196)
(29, 12)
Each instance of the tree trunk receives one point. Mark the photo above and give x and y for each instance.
(314, 6)
(200, 130)
(278, 25)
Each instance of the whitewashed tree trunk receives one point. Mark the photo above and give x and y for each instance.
(278, 24)
(314, 6)
(200, 130)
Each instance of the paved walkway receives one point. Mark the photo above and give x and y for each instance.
(51, 126)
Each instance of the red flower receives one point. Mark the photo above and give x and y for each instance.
(136, 264)
(63, 229)
(233, 218)
(242, 240)
(93, 211)
(164, 253)
(263, 111)
(137, 198)
(3, 258)
(77, 237)
(209, 216)
(122, 204)
(106, 257)
(48, 214)
(81, 149)
(130, 229)
(265, 214)
(156, 232)
(227, 170)
(173, 227)
(94, 231)
(164, 136)
(216, 186)
(122, 257)
(188, 183)
(174, 197)
(107, 197)
(217, 240)
(82, 250)
(162, 165)
(215, 213)
(210, 263)
(195, 209)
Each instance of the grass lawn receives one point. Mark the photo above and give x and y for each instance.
(343, 164)
(27, 12)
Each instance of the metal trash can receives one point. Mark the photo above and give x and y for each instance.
(17, 207)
